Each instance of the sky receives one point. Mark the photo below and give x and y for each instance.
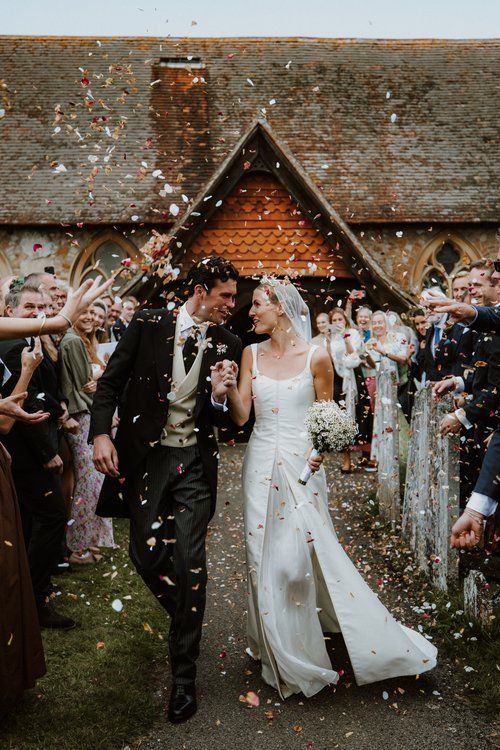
(410, 19)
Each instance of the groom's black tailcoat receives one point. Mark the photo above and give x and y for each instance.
(141, 368)
(169, 492)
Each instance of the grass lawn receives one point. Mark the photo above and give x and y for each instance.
(99, 690)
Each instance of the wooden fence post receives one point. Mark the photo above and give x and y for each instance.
(477, 598)
(387, 445)
(431, 500)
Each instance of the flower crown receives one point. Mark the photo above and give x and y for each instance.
(17, 283)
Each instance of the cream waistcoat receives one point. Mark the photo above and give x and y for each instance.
(179, 429)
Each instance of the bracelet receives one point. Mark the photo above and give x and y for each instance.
(68, 320)
(43, 318)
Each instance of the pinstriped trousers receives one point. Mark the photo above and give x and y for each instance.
(170, 511)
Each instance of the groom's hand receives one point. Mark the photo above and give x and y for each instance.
(105, 456)
(223, 379)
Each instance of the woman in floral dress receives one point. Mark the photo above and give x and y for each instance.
(80, 367)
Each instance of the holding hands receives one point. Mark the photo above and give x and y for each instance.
(468, 531)
(224, 379)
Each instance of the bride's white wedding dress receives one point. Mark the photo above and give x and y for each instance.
(301, 583)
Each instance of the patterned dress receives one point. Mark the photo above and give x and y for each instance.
(85, 529)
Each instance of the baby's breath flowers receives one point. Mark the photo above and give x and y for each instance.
(330, 429)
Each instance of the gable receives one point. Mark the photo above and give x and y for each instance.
(261, 229)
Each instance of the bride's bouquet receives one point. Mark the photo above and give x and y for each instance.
(330, 429)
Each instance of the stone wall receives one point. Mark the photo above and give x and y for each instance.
(60, 246)
(397, 248)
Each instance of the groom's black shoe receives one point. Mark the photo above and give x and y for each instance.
(182, 703)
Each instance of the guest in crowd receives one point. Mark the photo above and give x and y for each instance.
(80, 368)
(484, 503)
(447, 348)
(129, 308)
(344, 347)
(386, 348)
(61, 296)
(21, 656)
(99, 312)
(355, 297)
(114, 305)
(323, 326)
(45, 282)
(5, 283)
(477, 412)
(388, 351)
(460, 287)
(36, 463)
(21, 659)
(416, 349)
(364, 322)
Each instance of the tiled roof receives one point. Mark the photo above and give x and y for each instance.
(262, 230)
(389, 130)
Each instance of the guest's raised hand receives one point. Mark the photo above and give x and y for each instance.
(11, 407)
(444, 386)
(456, 311)
(79, 300)
(31, 358)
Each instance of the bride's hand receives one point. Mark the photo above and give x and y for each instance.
(315, 463)
(223, 379)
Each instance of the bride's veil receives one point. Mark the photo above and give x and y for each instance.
(293, 306)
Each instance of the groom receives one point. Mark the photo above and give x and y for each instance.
(161, 471)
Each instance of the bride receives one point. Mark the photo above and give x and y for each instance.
(300, 581)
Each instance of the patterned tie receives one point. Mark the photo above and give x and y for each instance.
(190, 349)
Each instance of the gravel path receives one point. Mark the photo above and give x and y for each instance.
(429, 713)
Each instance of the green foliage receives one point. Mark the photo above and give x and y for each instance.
(100, 684)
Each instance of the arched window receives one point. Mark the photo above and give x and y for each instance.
(103, 256)
(445, 255)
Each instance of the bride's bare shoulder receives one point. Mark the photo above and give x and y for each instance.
(320, 358)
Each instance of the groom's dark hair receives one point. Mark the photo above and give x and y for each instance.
(208, 271)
